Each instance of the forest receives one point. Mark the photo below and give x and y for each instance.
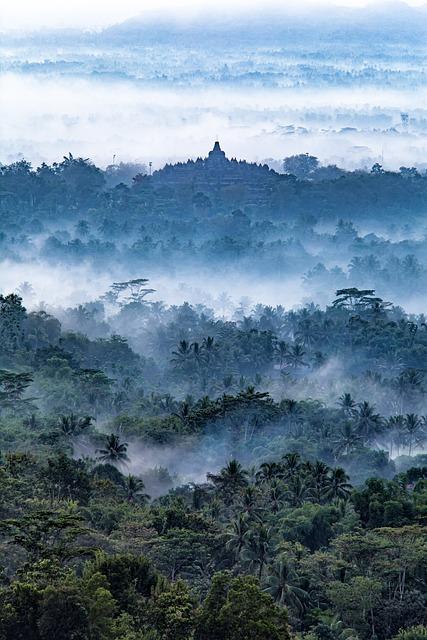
(217, 468)
(330, 227)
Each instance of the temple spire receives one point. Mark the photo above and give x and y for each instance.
(217, 153)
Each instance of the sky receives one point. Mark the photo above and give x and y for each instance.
(95, 14)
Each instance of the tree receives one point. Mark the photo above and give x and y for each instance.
(12, 315)
(347, 404)
(128, 577)
(82, 228)
(354, 299)
(291, 463)
(282, 352)
(295, 357)
(72, 425)
(19, 606)
(356, 602)
(334, 629)
(311, 525)
(317, 474)
(115, 452)
(250, 502)
(414, 429)
(131, 291)
(231, 479)
(46, 534)
(301, 165)
(337, 485)
(236, 535)
(12, 390)
(257, 548)
(134, 490)
(299, 490)
(413, 633)
(368, 422)
(173, 612)
(346, 440)
(66, 479)
(276, 495)
(377, 169)
(94, 386)
(405, 549)
(283, 586)
(83, 180)
(63, 615)
(381, 503)
(268, 471)
(237, 609)
(182, 355)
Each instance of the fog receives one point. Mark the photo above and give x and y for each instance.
(151, 90)
(23, 14)
(258, 255)
(56, 287)
(44, 117)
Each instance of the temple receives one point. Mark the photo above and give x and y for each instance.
(216, 172)
(217, 155)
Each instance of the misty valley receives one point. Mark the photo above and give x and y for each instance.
(213, 401)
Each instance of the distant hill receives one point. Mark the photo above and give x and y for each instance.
(397, 20)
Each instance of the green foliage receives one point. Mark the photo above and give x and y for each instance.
(127, 577)
(305, 528)
(173, 612)
(414, 633)
(311, 525)
(237, 609)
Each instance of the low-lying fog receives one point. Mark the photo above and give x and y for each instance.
(60, 286)
(222, 291)
(350, 126)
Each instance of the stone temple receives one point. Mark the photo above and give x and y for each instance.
(214, 172)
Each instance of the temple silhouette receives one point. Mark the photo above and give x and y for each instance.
(214, 175)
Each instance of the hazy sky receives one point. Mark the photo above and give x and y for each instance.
(33, 14)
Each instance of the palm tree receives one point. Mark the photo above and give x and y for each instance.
(70, 425)
(282, 352)
(249, 502)
(334, 629)
(134, 489)
(408, 384)
(231, 479)
(236, 535)
(369, 423)
(276, 495)
(291, 464)
(182, 354)
(347, 404)
(414, 430)
(184, 413)
(257, 547)
(338, 487)
(296, 356)
(346, 440)
(209, 347)
(293, 414)
(198, 354)
(394, 433)
(268, 471)
(307, 332)
(282, 585)
(317, 474)
(298, 491)
(115, 452)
